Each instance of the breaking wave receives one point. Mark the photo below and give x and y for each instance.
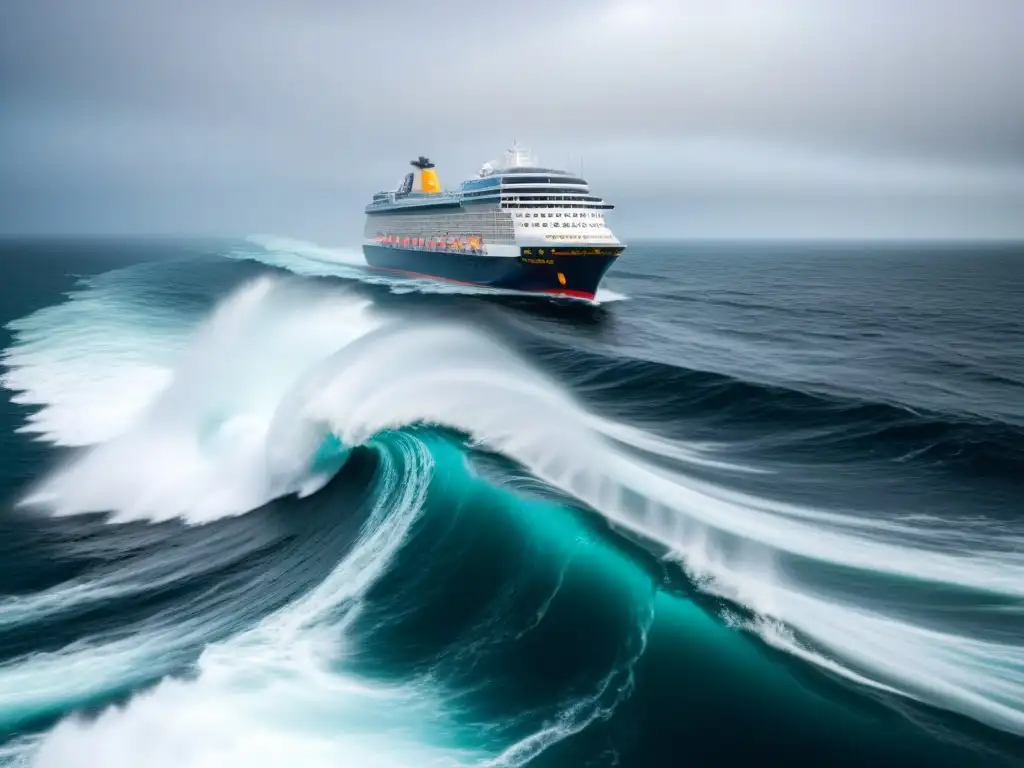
(281, 387)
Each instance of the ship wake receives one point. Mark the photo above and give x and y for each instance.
(310, 260)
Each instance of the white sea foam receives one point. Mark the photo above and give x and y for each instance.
(196, 445)
(91, 364)
(245, 402)
(275, 695)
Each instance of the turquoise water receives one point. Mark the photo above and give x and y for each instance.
(756, 506)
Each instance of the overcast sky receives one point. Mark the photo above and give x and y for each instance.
(701, 118)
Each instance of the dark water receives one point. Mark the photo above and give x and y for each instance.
(762, 505)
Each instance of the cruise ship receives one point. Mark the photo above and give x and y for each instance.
(516, 226)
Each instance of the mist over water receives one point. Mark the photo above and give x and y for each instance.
(268, 508)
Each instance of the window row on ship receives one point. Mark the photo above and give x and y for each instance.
(543, 201)
(558, 215)
(584, 206)
(533, 194)
(494, 226)
(525, 192)
(553, 179)
(576, 224)
(591, 201)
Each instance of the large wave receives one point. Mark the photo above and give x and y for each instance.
(272, 694)
(268, 396)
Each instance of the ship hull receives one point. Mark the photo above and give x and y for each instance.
(566, 271)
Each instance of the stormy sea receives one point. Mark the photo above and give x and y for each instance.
(758, 504)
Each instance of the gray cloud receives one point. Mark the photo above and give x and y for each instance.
(726, 117)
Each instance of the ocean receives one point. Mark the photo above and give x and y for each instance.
(759, 504)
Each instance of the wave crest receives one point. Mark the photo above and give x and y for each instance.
(197, 449)
(279, 368)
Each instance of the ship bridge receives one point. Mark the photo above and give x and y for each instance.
(518, 181)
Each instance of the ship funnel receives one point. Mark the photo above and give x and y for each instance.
(425, 177)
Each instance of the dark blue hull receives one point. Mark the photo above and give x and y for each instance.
(567, 271)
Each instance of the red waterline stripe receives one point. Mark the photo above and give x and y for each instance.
(549, 291)
(568, 292)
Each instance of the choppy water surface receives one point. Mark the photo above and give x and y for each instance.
(759, 504)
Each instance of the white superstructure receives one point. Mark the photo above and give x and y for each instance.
(512, 202)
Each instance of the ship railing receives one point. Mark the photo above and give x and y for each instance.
(390, 198)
